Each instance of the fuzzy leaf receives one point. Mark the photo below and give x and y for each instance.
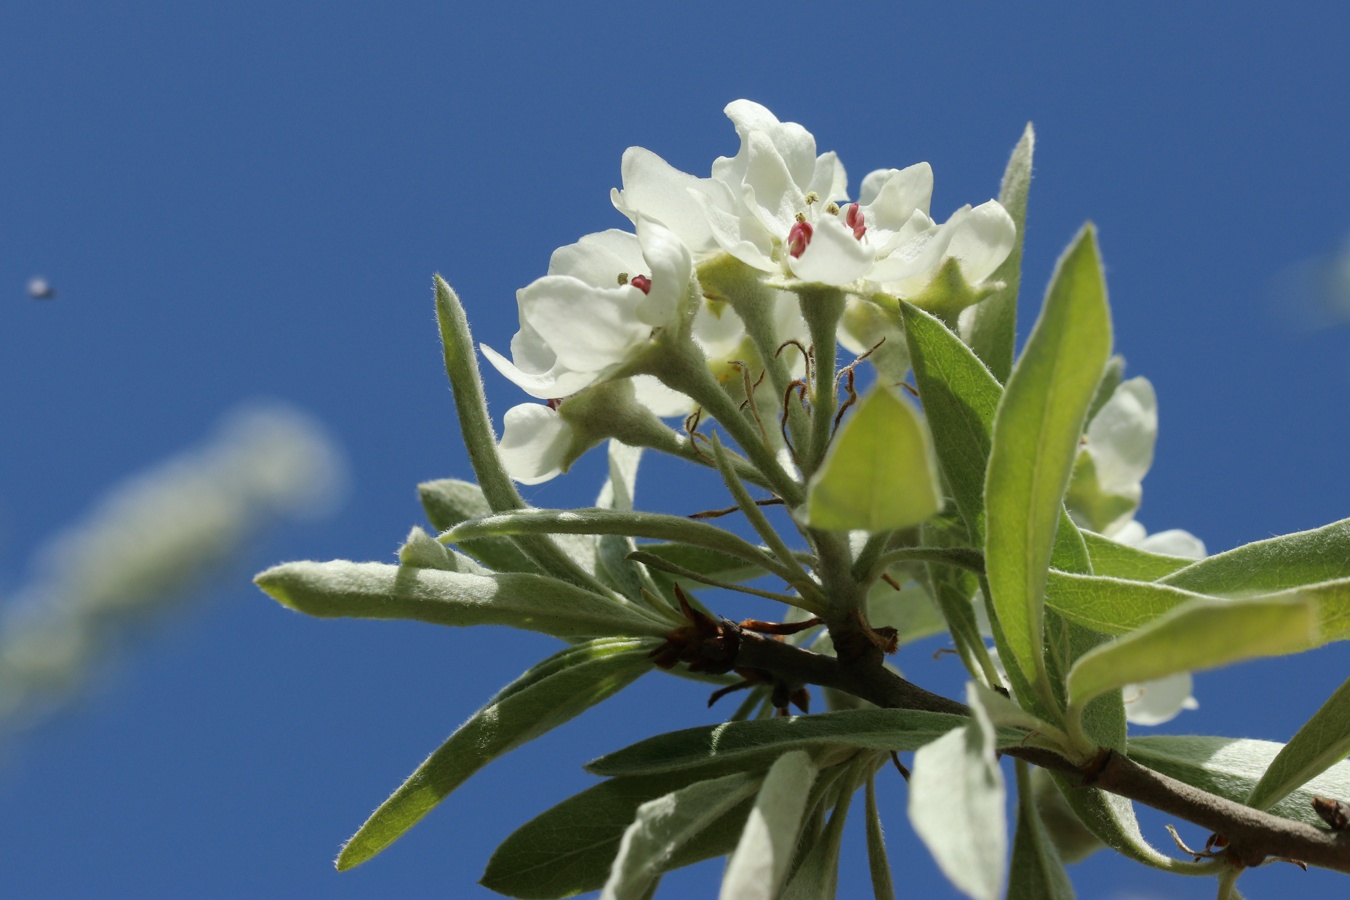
(377, 591)
(1036, 434)
(1036, 871)
(1116, 560)
(994, 321)
(1201, 634)
(1111, 605)
(956, 804)
(746, 744)
(877, 862)
(1323, 741)
(551, 693)
(759, 865)
(664, 825)
(1288, 561)
(879, 473)
(1232, 767)
(570, 848)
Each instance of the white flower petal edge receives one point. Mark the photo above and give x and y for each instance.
(534, 441)
(1156, 702)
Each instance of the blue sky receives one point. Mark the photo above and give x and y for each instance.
(248, 200)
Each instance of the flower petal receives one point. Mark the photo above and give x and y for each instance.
(735, 230)
(597, 259)
(534, 441)
(893, 195)
(557, 381)
(655, 189)
(829, 180)
(1122, 435)
(834, 256)
(792, 143)
(670, 266)
(588, 328)
(983, 241)
(1156, 702)
(661, 400)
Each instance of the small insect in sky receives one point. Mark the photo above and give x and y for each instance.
(40, 288)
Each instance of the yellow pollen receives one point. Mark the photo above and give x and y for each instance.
(801, 217)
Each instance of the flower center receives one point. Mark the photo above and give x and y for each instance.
(854, 219)
(642, 283)
(799, 237)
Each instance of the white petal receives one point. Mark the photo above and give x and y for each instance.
(670, 266)
(793, 143)
(1130, 532)
(983, 241)
(829, 181)
(534, 440)
(734, 230)
(597, 259)
(769, 191)
(1156, 702)
(1174, 542)
(1122, 436)
(834, 255)
(718, 330)
(661, 400)
(895, 195)
(555, 383)
(590, 329)
(655, 189)
(908, 257)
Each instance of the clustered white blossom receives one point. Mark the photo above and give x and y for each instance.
(777, 209)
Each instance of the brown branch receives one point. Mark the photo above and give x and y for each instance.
(1252, 836)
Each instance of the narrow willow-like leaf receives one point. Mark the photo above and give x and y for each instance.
(1202, 634)
(994, 326)
(1111, 605)
(607, 521)
(570, 848)
(748, 743)
(1292, 560)
(760, 863)
(611, 550)
(1232, 767)
(1036, 871)
(877, 862)
(1116, 560)
(664, 825)
(422, 551)
(476, 428)
(1110, 817)
(1036, 434)
(879, 473)
(553, 692)
(449, 501)
(817, 877)
(956, 804)
(377, 591)
(1323, 741)
(713, 563)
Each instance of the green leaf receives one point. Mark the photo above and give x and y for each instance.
(1111, 605)
(994, 326)
(606, 521)
(1323, 741)
(664, 825)
(551, 693)
(910, 611)
(1036, 872)
(1201, 634)
(1289, 561)
(879, 473)
(611, 550)
(759, 865)
(713, 563)
(747, 744)
(377, 591)
(448, 502)
(1111, 819)
(877, 862)
(817, 876)
(1117, 560)
(569, 848)
(1232, 767)
(422, 551)
(957, 806)
(1036, 434)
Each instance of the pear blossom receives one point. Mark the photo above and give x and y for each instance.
(534, 444)
(596, 310)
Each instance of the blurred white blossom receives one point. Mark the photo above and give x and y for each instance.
(152, 539)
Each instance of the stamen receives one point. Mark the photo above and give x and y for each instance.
(623, 278)
(833, 209)
(854, 220)
(812, 197)
(799, 238)
(642, 283)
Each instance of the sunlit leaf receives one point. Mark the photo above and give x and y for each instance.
(663, 825)
(378, 591)
(1232, 767)
(1323, 741)
(993, 324)
(956, 804)
(1116, 560)
(879, 473)
(1036, 434)
(1288, 561)
(759, 865)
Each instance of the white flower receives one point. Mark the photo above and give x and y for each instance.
(596, 309)
(1156, 702)
(534, 444)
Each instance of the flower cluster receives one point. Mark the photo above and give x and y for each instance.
(706, 256)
